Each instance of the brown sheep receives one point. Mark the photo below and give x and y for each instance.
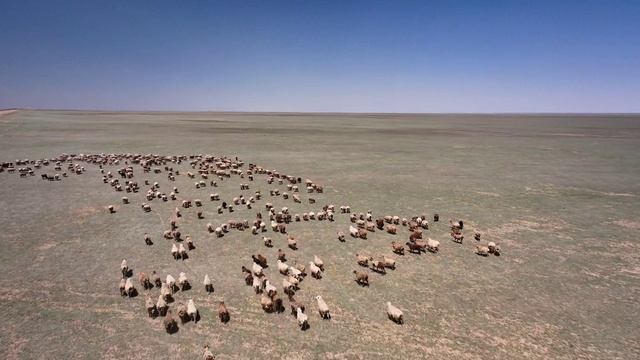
(341, 236)
(362, 278)
(292, 243)
(144, 281)
(170, 324)
(378, 266)
(362, 234)
(362, 260)
(281, 255)
(380, 223)
(147, 239)
(266, 303)
(260, 260)
(223, 313)
(391, 229)
(413, 247)
(397, 248)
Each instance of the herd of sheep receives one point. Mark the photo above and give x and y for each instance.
(118, 172)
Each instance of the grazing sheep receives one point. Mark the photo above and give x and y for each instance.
(303, 320)
(124, 268)
(477, 236)
(482, 250)
(281, 255)
(174, 252)
(496, 251)
(171, 283)
(394, 314)
(151, 307)
(457, 236)
(248, 276)
(318, 262)
(190, 245)
(219, 232)
(353, 231)
(257, 269)
(397, 248)
(147, 239)
(156, 279)
(323, 309)
(293, 281)
(282, 267)
(433, 245)
(257, 284)
(380, 223)
(391, 229)
(362, 234)
(492, 247)
(144, 281)
(362, 278)
(192, 311)
(161, 306)
(378, 265)
(260, 260)
(266, 303)
(112, 210)
(287, 287)
(170, 324)
(389, 262)
(166, 291)
(208, 286)
(341, 236)
(183, 282)
(269, 288)
(293, 271)
(292, 243)
(315, 270)
(267, 241)
(182, 251)
(223, 313)
(129, 289)
(182, 312)
(362, 260)
(207, 355)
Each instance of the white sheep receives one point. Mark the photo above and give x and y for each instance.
(171, 282)
(302, 319)
(315, 271)
(192, 311)
(208, 286)
(353, 231)
(433, 245)
(129, 289)
(394, 313)
(257, 284)
(257, 269)
(183, 282)
(323, 309)
(318, 262)
(282, 267)
(174, 251)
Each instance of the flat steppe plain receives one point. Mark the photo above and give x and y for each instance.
(559, 193)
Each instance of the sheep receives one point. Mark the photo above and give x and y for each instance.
(267, 303)
(496, 250)
(341, 236)
(315, 270)
(248, 276)
(208, 286)
(353, 231)
(190, 244)
(391, 229)
(151, 307)
(112, 209)
(456, 225)
(207, 355)
(396, 220)
(260, 260)
(161, 306)
(123, 283)
(300, 268)
(166, 291)
(362, 278)
(394, 314)
(380, 223)
(389, 262)
(156, 278)
(378, 265)
(129, 289)
(362, 260)
(192, 311)
(482, 250)
(147, 239)
(323, 309)
(124, 268)
(362, 234)
(302, 319)
(219, 232)
(287, 287)
(144, 281)
(433, 245)
(174, 252)
(257, 269)
(318, 262)
(397, 248)
(457, 236)
(223, 313)
(370, 227)
(269, 288)
(257, 284)
(171, 282)
(292, 243)
(492, 247)
(281, 255)
(170, 324)
(293, 271)
(282, 267)
(182, 251)
(182, 312)
(183, 282)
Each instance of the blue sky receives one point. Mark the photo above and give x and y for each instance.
(351, 56)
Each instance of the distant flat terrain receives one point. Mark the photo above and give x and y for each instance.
(560, 194)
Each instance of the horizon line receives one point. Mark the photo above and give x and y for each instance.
(328, 112)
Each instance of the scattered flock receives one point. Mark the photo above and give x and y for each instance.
(117, 172)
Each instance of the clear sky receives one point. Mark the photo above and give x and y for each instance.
(352, 56)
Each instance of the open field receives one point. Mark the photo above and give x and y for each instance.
(560, 194)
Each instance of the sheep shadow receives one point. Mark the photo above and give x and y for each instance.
(185, 287)
(128, 273)
(361, 283)
(209, 288)
(224, 318)
(172, 329)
